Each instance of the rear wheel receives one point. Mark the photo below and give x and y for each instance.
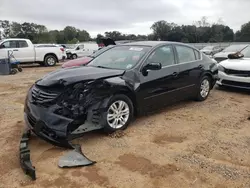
(119, 114)
(50, 61)
(204, 88)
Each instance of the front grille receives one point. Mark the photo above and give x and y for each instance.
(233, 83)
(31, 119)
(43, 96)
(237, 73)
(219, 59)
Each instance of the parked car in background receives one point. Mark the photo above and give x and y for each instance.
(107, 43)
(25, 52)
(62, 47)
(211, 50)
(235, 71)
(223, 55)
(81, 50)
(125, 80)
(85, 60)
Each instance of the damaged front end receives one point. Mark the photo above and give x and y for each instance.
(62, 115)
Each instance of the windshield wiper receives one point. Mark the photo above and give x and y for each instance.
(99, 66)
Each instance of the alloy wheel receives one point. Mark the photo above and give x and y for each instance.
(118, 114)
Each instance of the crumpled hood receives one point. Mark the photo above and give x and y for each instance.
(236, 64)
(223, 54)
(69, 76)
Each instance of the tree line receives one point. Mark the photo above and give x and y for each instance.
(200, 31)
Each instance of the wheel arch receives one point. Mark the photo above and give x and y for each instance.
(50, 54)
(131, 95)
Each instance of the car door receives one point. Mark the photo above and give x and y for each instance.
(158, 87)
(24, 53)
(190, 66)
(9, 46)
(81, 51)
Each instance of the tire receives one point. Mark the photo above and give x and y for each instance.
(13, 71)
(109, 125)
(50, 61)
(20, 69)
(204, 88)
(74, 56)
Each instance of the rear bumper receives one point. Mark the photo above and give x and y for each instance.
(233, 81)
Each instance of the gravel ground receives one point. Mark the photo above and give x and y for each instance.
(190, 144)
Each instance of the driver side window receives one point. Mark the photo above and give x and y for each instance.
(81, 47)
(9, 44)
(163, 55)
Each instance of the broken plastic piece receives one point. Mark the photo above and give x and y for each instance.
(74, 158)
(24, 156)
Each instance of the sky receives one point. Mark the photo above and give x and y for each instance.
(126, 16)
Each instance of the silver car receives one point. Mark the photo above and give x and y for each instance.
(211, 50)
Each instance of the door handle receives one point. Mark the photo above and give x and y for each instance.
(15, 50)
(175, 74)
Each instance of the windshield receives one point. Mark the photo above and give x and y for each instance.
(208, 48)
(120, 57)
(234, 48)
(246, 52)
(73, 46)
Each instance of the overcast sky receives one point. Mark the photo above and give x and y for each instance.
(127, 16)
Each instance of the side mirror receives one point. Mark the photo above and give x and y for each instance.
(151, 66)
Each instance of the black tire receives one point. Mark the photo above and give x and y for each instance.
(106, 126)
(20, 69)
(74, 56)
(50, 61)
(200, 96)
(13, 71)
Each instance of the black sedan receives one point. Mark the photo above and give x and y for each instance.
(124, 81)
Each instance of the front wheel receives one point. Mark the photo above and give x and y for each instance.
(74, 56)
(119, 114)
(204, 88)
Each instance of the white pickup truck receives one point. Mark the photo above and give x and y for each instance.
(25, 52)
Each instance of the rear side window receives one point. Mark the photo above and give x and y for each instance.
(197, 55)
(185, 54)
(22, 44)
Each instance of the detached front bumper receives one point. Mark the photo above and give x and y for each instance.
(47, 125)
(24, 156)
(233, 81)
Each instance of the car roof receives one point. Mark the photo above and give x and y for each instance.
(152, 43)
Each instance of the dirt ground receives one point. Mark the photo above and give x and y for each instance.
(190, 144)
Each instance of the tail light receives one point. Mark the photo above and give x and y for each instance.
(62, 49)
(101, 45)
